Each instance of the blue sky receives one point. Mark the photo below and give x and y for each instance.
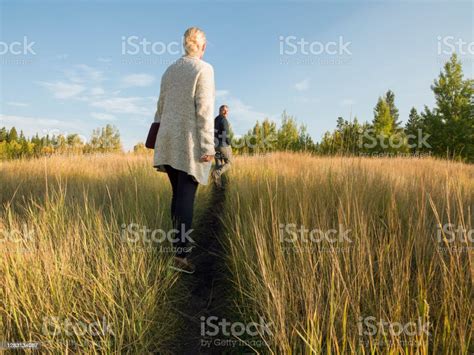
(82, 72)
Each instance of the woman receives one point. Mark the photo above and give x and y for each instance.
(184, 146)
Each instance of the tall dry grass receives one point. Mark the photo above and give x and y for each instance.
(319, 295)
(70, 268)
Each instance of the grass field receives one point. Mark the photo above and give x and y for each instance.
(336, 255)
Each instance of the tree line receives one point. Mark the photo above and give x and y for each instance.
(447, 130)
(14, 145)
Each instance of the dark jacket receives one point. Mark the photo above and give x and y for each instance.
(221, 132)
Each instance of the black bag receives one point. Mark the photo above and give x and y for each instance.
(152, 133)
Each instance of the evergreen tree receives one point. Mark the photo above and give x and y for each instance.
(22, 138)
(348, 138)
(383, 121)
(451, 122)
(390, 100)
(385, 135)
(253, 138)
(3, 134)
(13, 135)
(413, 129)
(269, 133)
(305, 142)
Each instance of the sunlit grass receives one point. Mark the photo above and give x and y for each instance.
(74, 267)
(393, 268)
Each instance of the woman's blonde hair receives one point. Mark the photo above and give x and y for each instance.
(194, 39)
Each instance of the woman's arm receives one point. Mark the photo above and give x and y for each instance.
(204, 101)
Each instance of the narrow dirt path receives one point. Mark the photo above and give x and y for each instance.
(208, 289)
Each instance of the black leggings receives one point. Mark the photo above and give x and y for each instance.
(184, 190)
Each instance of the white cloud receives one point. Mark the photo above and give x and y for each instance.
(41, 125)
(138, 80)
(62, 90)
(221, 93)
(241, 116)
(103, 116)
(302, 85)
(126, 105)
(83, 73)
(82, 82)
(17, 104)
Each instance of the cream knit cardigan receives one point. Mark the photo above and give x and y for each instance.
(185, 111)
